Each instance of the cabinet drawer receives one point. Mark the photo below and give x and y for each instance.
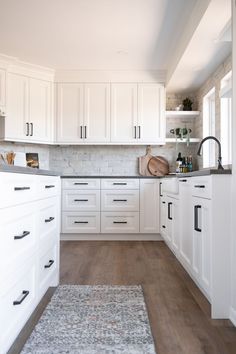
(16, 189)
(120, 200)
(80, 183)
(16, 304)
(202, 187)
(118, 183)
(18, 236)
(48, 263)
(48, 219)
(120, 222)
(48, 186)
(81, 200)
(80, 222)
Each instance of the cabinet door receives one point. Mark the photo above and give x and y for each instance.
(173, 223)
(97, 113)
(124, 113)
(16, 122)
(2, 88)
(163, 217)
(202, 242)
(40, 110)
(151, 108)
(186, 222)
(70, 113)
(149, 206)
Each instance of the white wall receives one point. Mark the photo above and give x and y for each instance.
(233, 229)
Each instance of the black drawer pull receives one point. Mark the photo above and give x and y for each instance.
(50, 263)
(25, 233)
(50, 219)
(183, 180)
(196, 228)
(21, 188)
(119, 222)
(160, 190)
(25, 293)
(80, 200)
(119, 184)
(49, 186)
(169, 211)
(163, 226)
(80, 222)
(119, 200)
(81, 183)
(199, 186)
(163, 202)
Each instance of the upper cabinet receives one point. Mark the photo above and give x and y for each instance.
(83, 113)
(29, 110)
(2, 92)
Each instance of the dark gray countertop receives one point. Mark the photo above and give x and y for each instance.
(76, 176)
(27, 170)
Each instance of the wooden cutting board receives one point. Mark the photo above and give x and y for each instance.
(158, 166)
(143, 163)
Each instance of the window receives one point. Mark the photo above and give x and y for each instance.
(209, 128)
(226, 118)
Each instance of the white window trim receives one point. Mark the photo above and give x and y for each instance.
(209, 128)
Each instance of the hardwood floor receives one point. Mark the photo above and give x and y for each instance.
(179, 314)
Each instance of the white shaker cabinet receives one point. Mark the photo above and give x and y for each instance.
(172, 233)
(70, 98)
(2, 92)
(149, 206)
(151, 110)
(124, 125)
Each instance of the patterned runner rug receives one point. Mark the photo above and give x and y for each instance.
(87, 319)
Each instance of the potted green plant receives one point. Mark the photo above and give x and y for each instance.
(187, 104)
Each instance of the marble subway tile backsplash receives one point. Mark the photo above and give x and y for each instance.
(111, 160)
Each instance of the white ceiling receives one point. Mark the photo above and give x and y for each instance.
(93, 34)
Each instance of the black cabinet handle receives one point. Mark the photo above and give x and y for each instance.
(27, 129)
(81, 183)
(139, 132)
(81, 132)
(163, 226)
(119, 183)
(80, 222)
(21, 188)
(196, 228)
(25, 233)
(80, 200)
(163, 202)
(25, 293)
(85, 132)
(49, 219)
(50, 263)
(183, 180)
(135, 132)
(119, 200)
(119, 222)
(169, 211)
(49, 186)
(31, 129)
(160, 190)
(199, 186)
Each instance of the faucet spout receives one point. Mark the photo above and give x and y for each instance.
(220, 167)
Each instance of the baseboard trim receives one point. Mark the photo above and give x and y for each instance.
(111, 237)
(232, 316)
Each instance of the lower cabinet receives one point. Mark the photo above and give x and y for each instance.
(149, 206)
(29, 249)
(173, 222)
(120, 222)
(80, 222)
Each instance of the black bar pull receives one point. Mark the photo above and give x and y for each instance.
(199, 186)
(80, 200)
(139, 132)
(25, 233)
(119, 183)
(135, 132)
(183, 180)
(81, 132)
(85, 132)
(49, 186)
(25, 293)
(119, 222)
(119, 200)
(27, 129)
(81, 183)
(196, 228)
(80, 222)
(49, 219)
(169, 211)
(31, 129)
(160, 190)
(21, 188)
(50, 263)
